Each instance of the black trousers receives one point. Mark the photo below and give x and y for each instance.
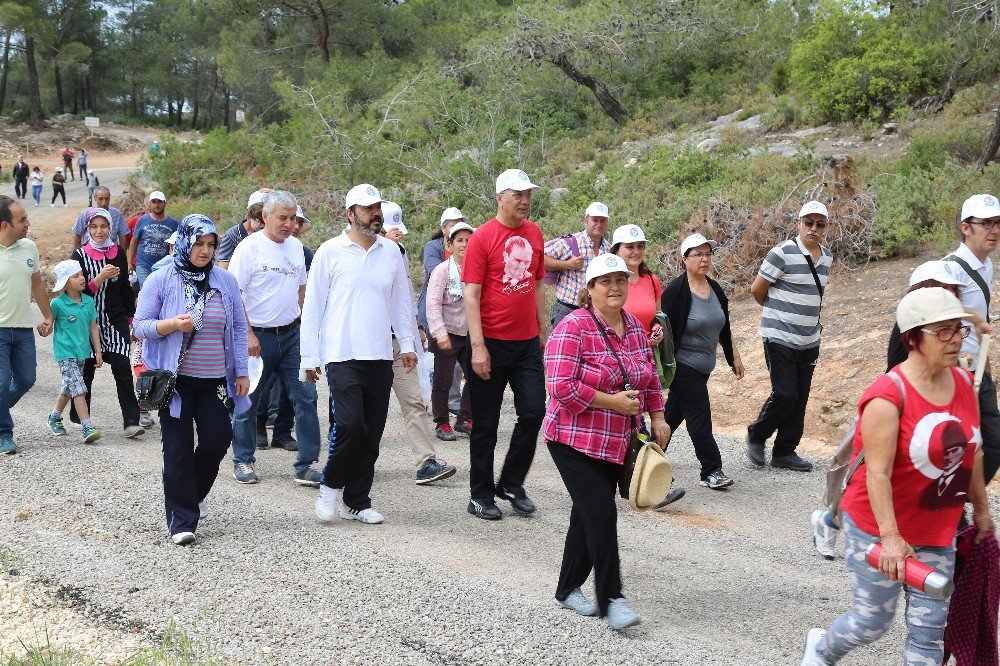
(121, 369)
(592, 538)
(989, 416)
(784, 412)
(360, 394)
(520, 365)
(444, 376)
(688, 401)
(20, 187)
(58, 193)
(189, 471)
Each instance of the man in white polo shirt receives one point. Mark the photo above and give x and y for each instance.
(271, 270)
(970, 264)
(358, 294)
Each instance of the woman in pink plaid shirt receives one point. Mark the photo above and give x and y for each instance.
(588, 425)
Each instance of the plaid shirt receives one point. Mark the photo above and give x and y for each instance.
(571, 283)
(578, 363)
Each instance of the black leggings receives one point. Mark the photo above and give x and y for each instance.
(58, 193)
(122, 371)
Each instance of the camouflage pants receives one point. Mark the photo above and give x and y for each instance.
(875, 599)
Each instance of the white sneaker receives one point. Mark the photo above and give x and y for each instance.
(367, 516)
(182, 538)
(326, 503)
(810, 657)
(824, 536)
(203, 509)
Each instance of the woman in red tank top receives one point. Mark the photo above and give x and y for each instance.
(923, 461)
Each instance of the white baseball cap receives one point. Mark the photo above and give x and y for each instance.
(461, 226)
(927, 306)
(604, 264)
(514, 179)
(596, 209)
(392, 216)
(64, 270)
(158, 196)
(172, 239)
(696, 240)
(982, 206)
(58, 169)
(812, 207)
(362, 195)
(628, 233)
(450, 214)
(300, 213)
(939, 271)
(256, 198)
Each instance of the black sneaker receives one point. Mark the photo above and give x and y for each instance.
(519, 500)
(755, 452)
(674, 495)
(791, 461)
(285, 441)
(486, 511)
(717, 480)
(432, 471)
(262, 442)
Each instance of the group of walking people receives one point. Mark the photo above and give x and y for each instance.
(584, 373)
(25, 175)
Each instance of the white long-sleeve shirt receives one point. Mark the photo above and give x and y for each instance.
(969, 293)
(355, 298)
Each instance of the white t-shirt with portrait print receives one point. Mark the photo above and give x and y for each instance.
(269, 275)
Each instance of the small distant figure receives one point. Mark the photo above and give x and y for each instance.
(81, 162)
(58, 187)
(37, 182)
(67, 158)
(20, 177)
(92, 184)
(154, 150)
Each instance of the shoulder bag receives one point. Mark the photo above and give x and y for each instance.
(155, 388)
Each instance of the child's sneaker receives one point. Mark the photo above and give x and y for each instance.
(56, 425)
(90, 434)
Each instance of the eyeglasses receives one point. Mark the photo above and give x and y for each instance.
(699, 255)
(986, 224)
(947, 334)
(813, 223)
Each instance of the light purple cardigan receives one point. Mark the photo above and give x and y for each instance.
(162, 297)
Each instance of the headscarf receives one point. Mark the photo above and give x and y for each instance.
(196, 292)
(108, 242)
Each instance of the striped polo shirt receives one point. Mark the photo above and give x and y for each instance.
(207, 356)
(791, 311)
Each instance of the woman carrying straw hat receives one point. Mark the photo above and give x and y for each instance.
(590, 418)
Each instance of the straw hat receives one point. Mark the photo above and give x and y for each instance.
(651, 479)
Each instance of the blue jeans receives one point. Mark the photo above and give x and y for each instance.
(36, 192)
(17, 371)
(280, 354)
(141, 273)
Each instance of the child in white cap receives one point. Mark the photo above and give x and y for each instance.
(75, 319)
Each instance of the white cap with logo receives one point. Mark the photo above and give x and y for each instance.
(158, 196)
(461, 226)
(939, 271)
(256, 198)
(596, 209)
(983, 206)
(628, 233)
(300, 213)
(362, 195)
(813, 207)
(927, 306)
(392, 216)
(514, 179)
(450, 214)
(64, 270)
(604, 264)
(696, 240)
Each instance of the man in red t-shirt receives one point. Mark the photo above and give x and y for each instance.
(505, 305)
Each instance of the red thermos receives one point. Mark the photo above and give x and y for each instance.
(917, 574)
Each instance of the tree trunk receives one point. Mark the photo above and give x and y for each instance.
(225, 108)
(34, 93)
(60, 103)
(992, 145)
(209, 119)
(76, 98)
(170, 110)
(323, 32)
(4, 64)
(134, 96)
(611, 106)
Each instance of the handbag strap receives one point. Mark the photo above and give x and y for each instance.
(614, 352)
(185, 350)
(860, 458)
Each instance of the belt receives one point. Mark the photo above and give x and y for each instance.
(278, 330)
(565, 304)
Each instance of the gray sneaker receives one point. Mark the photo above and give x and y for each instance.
(134, 431)
(245, 473)
(575, 601)
(309, 477)
(432, 471)
(717, 480)
(7, 446)
(621, 615)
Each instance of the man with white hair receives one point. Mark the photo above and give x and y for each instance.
(567, 258)
(270, 268)
(505, 306)
(358, 294)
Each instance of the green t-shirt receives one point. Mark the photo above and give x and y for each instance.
(72, 322)
(18, 263)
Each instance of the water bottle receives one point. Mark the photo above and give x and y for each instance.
(917, 575)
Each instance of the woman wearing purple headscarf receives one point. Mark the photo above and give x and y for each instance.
(191, 316)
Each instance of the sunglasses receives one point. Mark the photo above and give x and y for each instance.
(813, 223)
(948, 333)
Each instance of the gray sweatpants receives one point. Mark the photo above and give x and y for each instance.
(875, 599)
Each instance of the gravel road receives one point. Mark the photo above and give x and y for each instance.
(725, 578)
